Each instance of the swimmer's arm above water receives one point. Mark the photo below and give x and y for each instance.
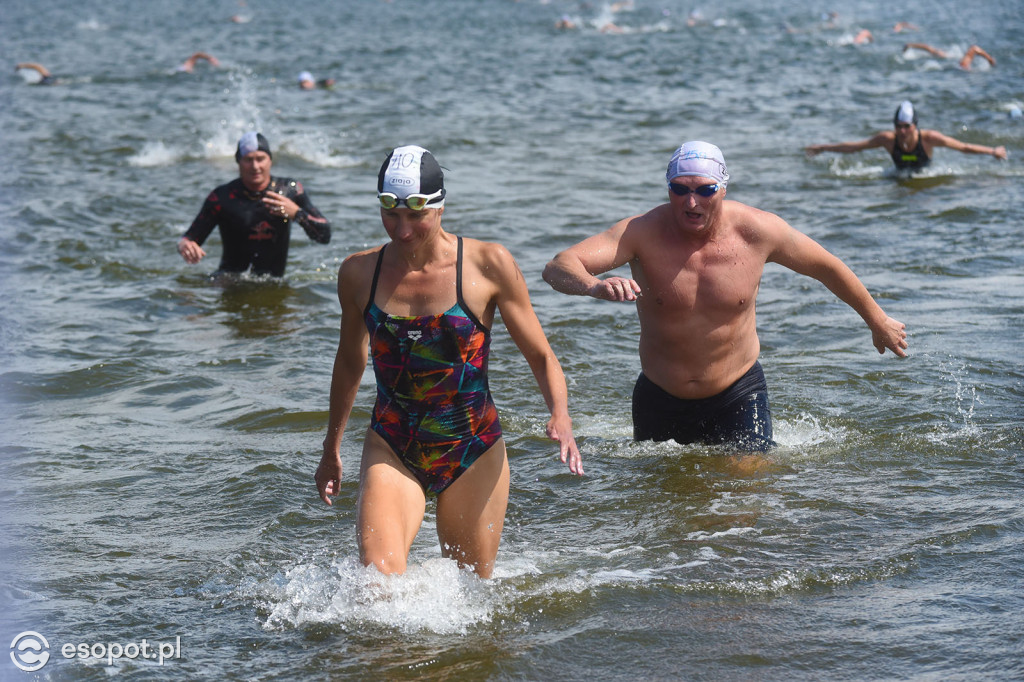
(190, 251)
(299, 208)
(513, 302)
(574, 271)
(190, 245)
(803, 255)
(349, 364)
(937, 139)
(39, 68)
(883, 139)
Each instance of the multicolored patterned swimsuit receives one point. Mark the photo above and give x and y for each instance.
(434, 405)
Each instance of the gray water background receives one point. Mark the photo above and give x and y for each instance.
(160, 431)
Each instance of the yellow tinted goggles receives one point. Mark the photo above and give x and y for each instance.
(416, 202)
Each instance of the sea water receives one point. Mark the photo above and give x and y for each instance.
(160, 430)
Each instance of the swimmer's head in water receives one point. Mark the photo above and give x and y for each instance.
(411, 170)
(700, 159)
(905, 114)
(252, 142)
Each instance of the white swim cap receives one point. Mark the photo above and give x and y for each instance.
(905, 114)
(701, 159)
(305, 76)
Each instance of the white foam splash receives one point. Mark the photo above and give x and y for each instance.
(434, 596)
(155, 154)
(91, 25)
(805, 430)
(30, 76)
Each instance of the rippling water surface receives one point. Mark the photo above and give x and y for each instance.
(160, 431)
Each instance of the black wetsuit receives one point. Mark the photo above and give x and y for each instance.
(739, 415)
(913, 160)
(252, 235)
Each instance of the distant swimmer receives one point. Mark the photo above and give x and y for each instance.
(965, 62)
(910, 147)
(307, 82)
(423, 306)
(44, 78)
(863, 37)
(696, 264)
(254, 213)
(189, 65)
(565, 23)
(902, 26)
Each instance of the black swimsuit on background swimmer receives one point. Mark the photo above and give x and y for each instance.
(739, 414)
(252, 236)
(913, 160)
(434, 406)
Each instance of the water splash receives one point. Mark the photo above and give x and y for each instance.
(955, 373)
(434, 596)
(805, 430)
(155, 154)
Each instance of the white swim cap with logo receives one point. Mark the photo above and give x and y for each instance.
(411, 170)
(700, 159)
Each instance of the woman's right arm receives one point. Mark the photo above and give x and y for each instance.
(349, 363)
(879, 140)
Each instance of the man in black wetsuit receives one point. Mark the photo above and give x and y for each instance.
(254, 213)
(909, 146)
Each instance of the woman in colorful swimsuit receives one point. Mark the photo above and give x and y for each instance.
(423, 305)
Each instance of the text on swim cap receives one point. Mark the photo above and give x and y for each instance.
(403, 161)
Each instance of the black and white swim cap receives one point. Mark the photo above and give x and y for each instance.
(411, 170)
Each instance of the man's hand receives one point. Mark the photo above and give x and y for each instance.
(190, 251)
(280, 205)
(615, 289)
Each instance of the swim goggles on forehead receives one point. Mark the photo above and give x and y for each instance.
(703, 191)
(416, 202)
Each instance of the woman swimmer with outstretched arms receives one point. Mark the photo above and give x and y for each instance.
(422, 305)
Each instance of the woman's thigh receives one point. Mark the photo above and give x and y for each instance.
(471, 511)
(391, 507)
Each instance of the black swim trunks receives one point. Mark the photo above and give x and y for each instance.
(738, 415)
